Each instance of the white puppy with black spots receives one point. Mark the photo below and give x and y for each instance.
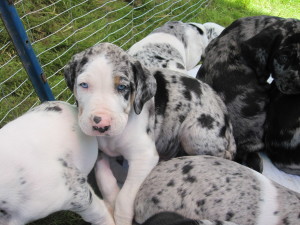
(143, 114)
(175, 45)
(211, 188)
(44, 162)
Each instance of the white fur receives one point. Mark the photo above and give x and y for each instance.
(101, 99)
(43, 155)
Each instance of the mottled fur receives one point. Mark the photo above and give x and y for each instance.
(175, 45)
(282, 131)
(211, 188)
(44, 162)
(237, 66)
(153, 111)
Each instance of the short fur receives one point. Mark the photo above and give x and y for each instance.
(282, 131)
(139, 113)
(212, 188)
(44, 162)
(237, 66)
(175, 45)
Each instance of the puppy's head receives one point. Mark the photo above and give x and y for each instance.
(196, 42)
(107, 84)
(193, 37)
(213, 30)
(276, 51)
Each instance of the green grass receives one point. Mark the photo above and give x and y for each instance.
(220, 11)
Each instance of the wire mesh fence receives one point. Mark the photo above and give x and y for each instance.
(58, 29)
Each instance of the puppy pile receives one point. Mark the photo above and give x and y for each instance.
(143, 114)
(143, 106)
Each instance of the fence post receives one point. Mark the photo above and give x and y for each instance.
(25, 51)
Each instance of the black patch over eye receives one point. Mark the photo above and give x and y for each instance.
(283, 59)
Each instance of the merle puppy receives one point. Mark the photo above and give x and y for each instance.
(282, 131)
(238, 64)
(212, 188)
(175, 45)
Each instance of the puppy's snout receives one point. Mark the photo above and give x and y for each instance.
(101, 129)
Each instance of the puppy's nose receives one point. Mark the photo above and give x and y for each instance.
(97, 119)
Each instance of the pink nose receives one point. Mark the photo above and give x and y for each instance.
(101, 123)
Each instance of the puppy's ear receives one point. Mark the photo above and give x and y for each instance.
(259, 50)
(145, 86)
(70, 73)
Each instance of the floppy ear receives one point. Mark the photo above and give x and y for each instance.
(70, 73)
(259, 50)
(145, 85)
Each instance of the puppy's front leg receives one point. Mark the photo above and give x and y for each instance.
(140, 165)
(106, 181)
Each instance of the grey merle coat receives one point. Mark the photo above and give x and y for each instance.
(237, 66)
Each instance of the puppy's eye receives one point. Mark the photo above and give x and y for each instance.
(84, 85)
(121, 87)
(282, 59)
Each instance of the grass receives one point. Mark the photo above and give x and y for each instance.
(61, 41)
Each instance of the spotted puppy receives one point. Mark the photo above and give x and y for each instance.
(175, 45)
(238, 64)
(44, 162)
(282, 131)
(139, 113)
(211, 188)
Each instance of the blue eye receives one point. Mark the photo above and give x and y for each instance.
(84, 85)
(121, 87)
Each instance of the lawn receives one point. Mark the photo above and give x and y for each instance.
(220, 11)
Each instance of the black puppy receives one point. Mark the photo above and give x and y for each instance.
(282, 131)
(237, 66)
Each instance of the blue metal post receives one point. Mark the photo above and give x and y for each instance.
(25, 51)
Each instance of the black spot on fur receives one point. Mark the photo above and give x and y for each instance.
(206, 121)
(64, 163)
(155, 200)
(216, 163)
(54, 108)
(159, 57)
(179, 66)
(171, 183)
(190, 179)
(192, 85)
(186, 169)
(200, 31)
(162, 96)
(229, 216)
(81, 180)
(200, 202)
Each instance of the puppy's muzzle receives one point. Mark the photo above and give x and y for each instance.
(101, 124)
(101, 129)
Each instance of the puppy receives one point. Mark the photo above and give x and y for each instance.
(238, 64)
(211, 188)
(175, 45)
(139, 113)
(44, 162)
(282, 131)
